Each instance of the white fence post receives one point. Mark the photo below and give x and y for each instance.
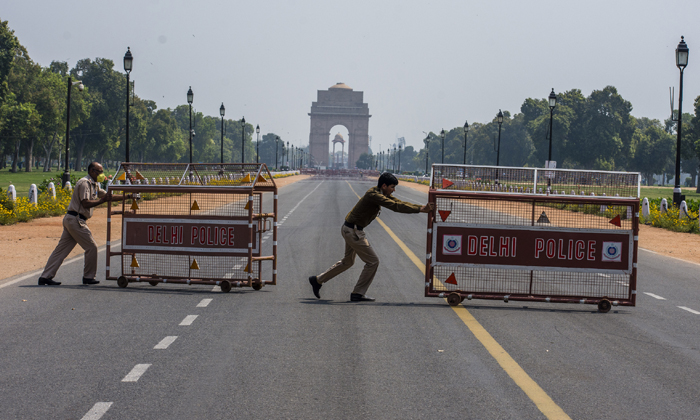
(33, 194)
(52, 190)
(12, 193)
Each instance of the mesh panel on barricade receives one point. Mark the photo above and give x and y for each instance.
(525, 246)
(194, 223)
(535, 180)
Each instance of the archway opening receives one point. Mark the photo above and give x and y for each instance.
(338, 147)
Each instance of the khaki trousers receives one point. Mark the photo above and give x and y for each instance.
(355, 244)
(75, 231)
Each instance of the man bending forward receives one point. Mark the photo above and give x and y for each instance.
(366, 210)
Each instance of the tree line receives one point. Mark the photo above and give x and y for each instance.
(596, 132)
(33, 101)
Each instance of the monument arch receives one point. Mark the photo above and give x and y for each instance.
(339, 105)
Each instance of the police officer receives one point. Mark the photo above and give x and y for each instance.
(86, 195)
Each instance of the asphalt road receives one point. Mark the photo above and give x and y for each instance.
(102, 352)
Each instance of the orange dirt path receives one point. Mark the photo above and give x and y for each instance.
(26, 246)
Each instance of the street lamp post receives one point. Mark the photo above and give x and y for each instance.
(399, 159)
(552, 104)
(681, 62)
(287, 159)
(388, 158)
(498, 151)
(393, 160)
(427, 152)
(128, 61)
(222, 111)
(190, 98)
(466, 132)
(257, 144)
(66, 172)
(243, 140)
(277, 144)
(442, 135)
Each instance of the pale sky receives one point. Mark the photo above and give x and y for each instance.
(422, 66)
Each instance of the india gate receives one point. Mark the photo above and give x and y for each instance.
(339, 105)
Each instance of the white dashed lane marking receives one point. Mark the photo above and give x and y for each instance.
(655, 296)
(136, 372)
(97, 411)
(189, 319)
(164, 343)
(204, 303)
(692, 311)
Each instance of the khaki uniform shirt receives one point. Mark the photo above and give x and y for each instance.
(367, 209)
(85, 189)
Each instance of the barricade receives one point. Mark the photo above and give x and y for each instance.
(194, 224)
(497, 237)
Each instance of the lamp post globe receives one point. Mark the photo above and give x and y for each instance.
(190, 98)
(681, 62)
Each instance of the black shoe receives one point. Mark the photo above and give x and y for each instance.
(90, 281)
(48, 282)
(356, 297)
(315, 285)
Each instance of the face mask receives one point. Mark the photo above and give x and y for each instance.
(100, 177)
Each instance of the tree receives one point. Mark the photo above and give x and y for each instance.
(364, 162)
(9, 49)
(653, 148)
(105, 126)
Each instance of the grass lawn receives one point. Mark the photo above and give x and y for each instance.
(23, 180)
(667, 193)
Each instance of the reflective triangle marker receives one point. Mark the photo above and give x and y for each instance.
(246, 178)
(543, 218)
(134, 263)
(452, 279)
(444, 214)
(122, 177)
(194, 265)
(616, 221)
(446, 183)
(195, 206)
(134, 206)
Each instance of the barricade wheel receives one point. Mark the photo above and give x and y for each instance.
(454, 299)
(122, 281)
(153, 283)
(604, 306)
(225, 286)
(257, 286)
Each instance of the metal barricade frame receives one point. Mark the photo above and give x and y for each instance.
(201, 224)
(527, 246)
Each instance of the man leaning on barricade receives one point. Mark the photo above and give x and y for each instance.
(86, 195)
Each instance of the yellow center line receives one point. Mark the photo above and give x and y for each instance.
(543, 402)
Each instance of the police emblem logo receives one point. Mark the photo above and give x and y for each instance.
(452, 245)
(612, 252)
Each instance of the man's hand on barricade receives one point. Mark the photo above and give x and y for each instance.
(427, 208)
